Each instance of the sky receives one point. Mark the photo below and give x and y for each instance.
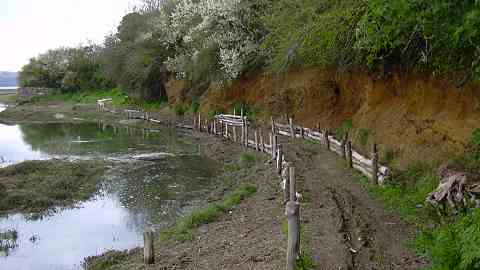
(31, 27)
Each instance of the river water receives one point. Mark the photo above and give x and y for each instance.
(134, 194)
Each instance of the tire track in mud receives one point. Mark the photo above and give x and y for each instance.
(347, 228)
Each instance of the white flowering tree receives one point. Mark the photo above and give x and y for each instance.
(206, 24)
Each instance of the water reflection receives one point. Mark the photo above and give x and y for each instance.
(134, 193)
(42, 141)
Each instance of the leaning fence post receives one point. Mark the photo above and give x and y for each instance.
(375, 163)
(279, 159)
(292, 130)
(349, 154)
(293, 216)
(148, 249)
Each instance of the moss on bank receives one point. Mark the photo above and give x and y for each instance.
(37, 186)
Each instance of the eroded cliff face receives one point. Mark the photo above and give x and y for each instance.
(412, 116)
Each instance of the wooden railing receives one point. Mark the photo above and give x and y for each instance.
(369, 167)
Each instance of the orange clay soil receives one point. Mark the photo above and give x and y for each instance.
(412, 117)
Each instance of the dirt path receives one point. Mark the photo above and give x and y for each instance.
(348, 229)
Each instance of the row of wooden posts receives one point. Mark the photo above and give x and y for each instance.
(222, 125)
(227, 127)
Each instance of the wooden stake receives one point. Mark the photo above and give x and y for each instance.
(349, 154)
(262, 144)
(257, 146)
(327, 139)
(234, 128)
(293, 184)
(243, 129)
(148, 249)
(279, 160)
(286, 179)
(344, 146)
(246, 135)
(292, 130)
(375, 164)
(273, 126)
(293, 246)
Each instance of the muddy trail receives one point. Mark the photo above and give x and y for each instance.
(347, 228)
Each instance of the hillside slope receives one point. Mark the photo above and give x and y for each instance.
(412, 117)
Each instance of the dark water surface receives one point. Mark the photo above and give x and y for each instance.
(133, 195)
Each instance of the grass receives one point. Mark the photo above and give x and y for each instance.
(247, 159)
(8, 98)
(36, 186)
(182, 230)
(407, 192)
(450, 241)
(119, 98)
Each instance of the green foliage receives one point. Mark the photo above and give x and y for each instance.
(407, 191)
(180, 109)
(388, 156)
(364, 136)
(68, 69)
(182, 231)
(475, 144)
(442, 35)
(347, 126)
(453, 245)
(247, 159)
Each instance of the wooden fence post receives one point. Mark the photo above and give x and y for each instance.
(349, 154)
(302, 132)
(327, 139)
(215, 126)
(234, 133)
(273, 126)
(274, 146)
(279, 159)
(292, 130)
(243, 130)
(257, 146)
(286, 180)
(375, 163)
(199, 123)
(344, 146)
(262, 143)
(293, 216)
(246, 135)
(148, 249)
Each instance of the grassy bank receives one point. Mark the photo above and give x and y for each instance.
(36, 186)
(449, 241)
(119, 98)
(8, 98)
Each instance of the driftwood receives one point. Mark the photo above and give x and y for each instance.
(452, 189)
